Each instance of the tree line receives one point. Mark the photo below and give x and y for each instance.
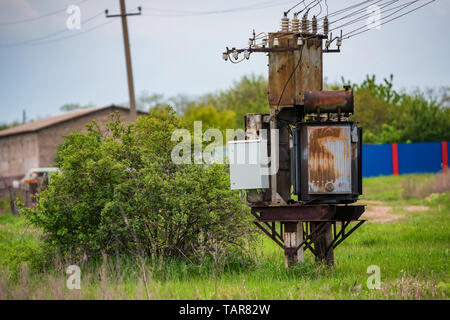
(387, 115)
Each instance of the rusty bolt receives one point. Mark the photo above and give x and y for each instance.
(329, 187)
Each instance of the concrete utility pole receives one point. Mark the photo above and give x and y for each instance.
(126, 42)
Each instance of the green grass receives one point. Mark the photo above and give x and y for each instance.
(18, 243)
(389, 188)
(411, 252)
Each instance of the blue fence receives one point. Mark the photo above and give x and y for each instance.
(376, 160)
(421, 157)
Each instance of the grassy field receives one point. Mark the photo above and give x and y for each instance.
(407, 236)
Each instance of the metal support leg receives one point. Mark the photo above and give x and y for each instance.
(322, 242)
(293, 237)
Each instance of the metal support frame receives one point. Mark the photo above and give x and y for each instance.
(304, 36)
(269, 227)
(331, 50)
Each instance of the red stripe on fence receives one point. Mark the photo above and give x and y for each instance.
(395, 159)
(444, 156)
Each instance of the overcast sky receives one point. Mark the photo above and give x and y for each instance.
(177, 53)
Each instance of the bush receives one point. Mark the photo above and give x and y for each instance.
(120, 193)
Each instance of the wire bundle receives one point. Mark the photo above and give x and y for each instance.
(342, 19)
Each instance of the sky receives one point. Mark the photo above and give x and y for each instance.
(178, 53)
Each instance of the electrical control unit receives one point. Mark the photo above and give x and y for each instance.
(248, 164)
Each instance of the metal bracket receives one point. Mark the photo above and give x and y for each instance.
(331, 50)
(270, 230)
(341, 236)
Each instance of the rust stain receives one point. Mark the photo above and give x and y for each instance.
(323, 172)
(253, 126)
(329, 101)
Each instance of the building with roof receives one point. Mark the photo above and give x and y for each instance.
(34, 144)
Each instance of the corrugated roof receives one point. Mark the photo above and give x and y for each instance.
(47, 122)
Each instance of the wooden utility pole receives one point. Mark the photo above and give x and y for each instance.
(126, 42)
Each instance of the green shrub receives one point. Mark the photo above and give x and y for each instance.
(120, 193)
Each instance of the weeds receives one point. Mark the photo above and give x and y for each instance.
(438, 183)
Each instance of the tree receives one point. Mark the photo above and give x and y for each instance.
(147, 101)
(180, 102)
(388, 116)
(248, 95)
(210, 117)
(74, 106)
(4, 126)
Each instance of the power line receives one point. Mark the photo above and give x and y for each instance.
(24, 42)
(38, 41)
(366, 15)
(358, 11)
(181, 13)
(293, 7)
(320, 5)
(351, 7)
(307, 7)
(317, 4)
(395, 18)
(340, 11)
(362, 13)
(72, 35)
(402, 7)
(38, 17)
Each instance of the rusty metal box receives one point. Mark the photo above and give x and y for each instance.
(327, 162)
(293, 72)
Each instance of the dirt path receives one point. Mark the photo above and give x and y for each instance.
(380, 212)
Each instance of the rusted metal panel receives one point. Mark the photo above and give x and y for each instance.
(253, 126)
(329, 160)
(309, 74)
(296, 212)
(281, 91)
(286, 89)
(329, 101)
(348, 213)
(256, 127)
